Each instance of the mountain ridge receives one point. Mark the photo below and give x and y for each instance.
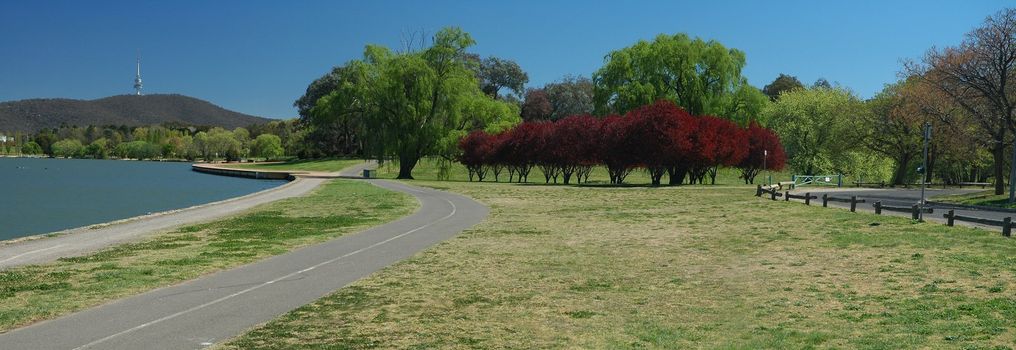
(31, 115)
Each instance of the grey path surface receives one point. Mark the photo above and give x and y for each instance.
(85, 240)
(213, 308)
(903, 197)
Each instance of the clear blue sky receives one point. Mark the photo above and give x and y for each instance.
(257, 57)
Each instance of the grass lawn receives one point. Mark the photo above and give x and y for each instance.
(671, 267)
(985, 198)
(327, 165)
(36, 292)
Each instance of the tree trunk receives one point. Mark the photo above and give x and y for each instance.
(406, 165)
(902, 166)
(676, 174)
(998, 156)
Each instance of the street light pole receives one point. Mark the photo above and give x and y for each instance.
(924, 169)
(1012, 177)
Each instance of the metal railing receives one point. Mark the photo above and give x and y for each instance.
(818, 180)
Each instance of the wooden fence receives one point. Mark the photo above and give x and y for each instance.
(1006, 223)
(915, 210)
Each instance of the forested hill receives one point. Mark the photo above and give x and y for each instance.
(35, 114)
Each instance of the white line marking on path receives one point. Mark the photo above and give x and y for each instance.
(245, 291)
(31, 252)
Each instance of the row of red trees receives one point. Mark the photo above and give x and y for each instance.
(661, 138)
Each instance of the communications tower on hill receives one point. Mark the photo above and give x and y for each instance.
(137, 78)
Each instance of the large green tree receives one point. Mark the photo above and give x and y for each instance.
(498, 73)
(891, 128)
(418, 103)
(781, 84)
(703, 77)
(812, 124)
(570, 96)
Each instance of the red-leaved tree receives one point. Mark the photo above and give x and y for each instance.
(520, 150)
(476, 152)
(731, 147)
(765, 152)
(717, 142)
(658, 137)
(577, 143)
(615, 149)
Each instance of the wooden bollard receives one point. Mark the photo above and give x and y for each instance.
(807, 198)
(916, 212)
(878, 207)
(786, 196)
(853, 203)
(1007, 226)
(758, 192)
(773, 193)
(825, 200)
(950, 217)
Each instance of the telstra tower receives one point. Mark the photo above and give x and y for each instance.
(137, 78)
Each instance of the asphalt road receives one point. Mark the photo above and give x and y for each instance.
(201, 312)
(903, 198)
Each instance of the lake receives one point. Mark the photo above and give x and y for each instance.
(47, 195)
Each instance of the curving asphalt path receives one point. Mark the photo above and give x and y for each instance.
(201, 312)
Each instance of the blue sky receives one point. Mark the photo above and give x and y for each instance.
(257, 57)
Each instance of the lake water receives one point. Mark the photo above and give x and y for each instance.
(47, 195)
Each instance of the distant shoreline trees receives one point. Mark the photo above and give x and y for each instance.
(271, 141)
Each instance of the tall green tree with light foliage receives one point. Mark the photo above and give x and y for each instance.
(703, 77)
(418, 103)
(813, 125)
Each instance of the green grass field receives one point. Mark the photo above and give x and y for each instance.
(325, 165)
(671, 267)
(985, 198)
(37, 292)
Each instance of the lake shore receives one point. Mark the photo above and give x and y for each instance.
(47, 247)
(53, 196)
(82, 240)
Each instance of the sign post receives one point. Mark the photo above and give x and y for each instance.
(924, 169)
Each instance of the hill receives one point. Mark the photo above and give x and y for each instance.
(35, 114)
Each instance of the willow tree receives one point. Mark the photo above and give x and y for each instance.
(417, 103)
(703, 77)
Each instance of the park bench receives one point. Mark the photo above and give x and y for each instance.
(785, 184)
(880, 184)
(982, 184)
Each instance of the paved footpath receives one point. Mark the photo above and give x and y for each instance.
(207, 310)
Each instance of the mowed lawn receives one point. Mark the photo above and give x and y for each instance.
(985, 198)
(37, 292)
(673, 267)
